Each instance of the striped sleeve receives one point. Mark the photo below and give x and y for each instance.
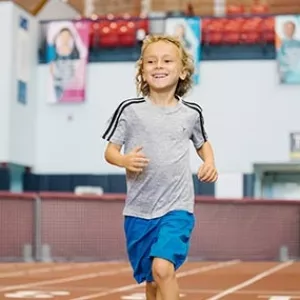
(116, 131)
(117, 126)
(199, 134)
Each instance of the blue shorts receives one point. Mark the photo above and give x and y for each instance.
(167, 237)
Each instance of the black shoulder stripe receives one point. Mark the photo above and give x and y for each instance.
(116, 116)
(198, 109)
(192, 104)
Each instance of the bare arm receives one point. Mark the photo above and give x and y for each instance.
(113, 155)
(208, 171)
(206, 153)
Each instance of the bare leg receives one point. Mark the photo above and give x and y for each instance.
(151, 291)
(158, 295)
(164, 275)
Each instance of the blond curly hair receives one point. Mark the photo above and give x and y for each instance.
(183, 86)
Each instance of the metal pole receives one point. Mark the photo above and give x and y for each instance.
(38, 229)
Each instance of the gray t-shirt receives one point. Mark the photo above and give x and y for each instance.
(164, 133)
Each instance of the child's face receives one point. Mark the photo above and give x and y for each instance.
(162, 66)
(180, 31)
(289, 29)
(65, 38)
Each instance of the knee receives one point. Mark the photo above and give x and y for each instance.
(162, 270)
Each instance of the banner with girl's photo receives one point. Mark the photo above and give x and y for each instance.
(188, 30)
(67, 57)
(287, 43)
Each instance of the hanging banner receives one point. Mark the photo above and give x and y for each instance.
(67, 57)
(22, 59)
(287, 43)
(188, 30)
(295, 145)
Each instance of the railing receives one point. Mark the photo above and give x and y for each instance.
(64, 227)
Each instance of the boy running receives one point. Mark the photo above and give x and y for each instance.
(156, 130)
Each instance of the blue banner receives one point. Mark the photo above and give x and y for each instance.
(188, 29)
(287, 43)
(23, 68)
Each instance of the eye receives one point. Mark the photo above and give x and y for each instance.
(150, 61)
(168, 60)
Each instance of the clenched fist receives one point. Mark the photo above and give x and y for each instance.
(135, 160)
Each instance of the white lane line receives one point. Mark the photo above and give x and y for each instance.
(37, 271)
(179, 275)
(63, 280)
(243, 292)
(60, 267)
(270, 297)
(251, 280)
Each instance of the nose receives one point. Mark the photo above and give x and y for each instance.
(159, 64)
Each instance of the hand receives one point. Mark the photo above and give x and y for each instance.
(135, 160)
(208, 172)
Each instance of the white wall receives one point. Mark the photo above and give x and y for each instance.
(75, 146)
(248, 116)
(17, 120)
(6, 56)
(23, 116)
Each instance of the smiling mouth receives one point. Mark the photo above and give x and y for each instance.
(161, 75)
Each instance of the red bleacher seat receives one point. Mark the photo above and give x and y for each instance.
(250, 33)
(249, 30)
(95, 33)
(110, 17)
(127, 35)
(267, 29)
(108, 36)
(232, 30)
(213, 31)
(115, 30)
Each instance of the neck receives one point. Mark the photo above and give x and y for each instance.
(163, 98)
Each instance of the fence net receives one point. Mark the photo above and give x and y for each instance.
(90, 228)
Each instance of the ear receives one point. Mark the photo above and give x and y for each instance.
(183, 74)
